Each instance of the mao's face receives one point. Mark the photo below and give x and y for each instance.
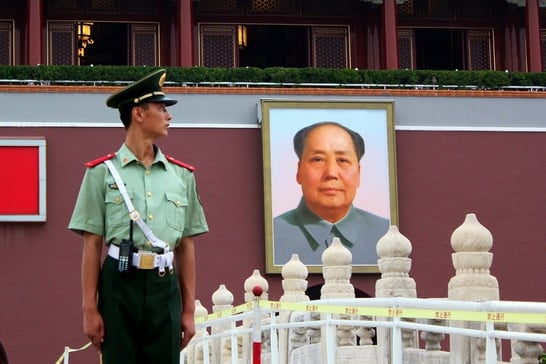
(329, 172)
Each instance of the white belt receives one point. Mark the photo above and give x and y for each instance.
(146, 260)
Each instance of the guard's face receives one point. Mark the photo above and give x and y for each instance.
(329, 172)
(155, 119)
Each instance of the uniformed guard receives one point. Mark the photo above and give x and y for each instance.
(138, 306)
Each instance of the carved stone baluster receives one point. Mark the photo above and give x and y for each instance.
(294, 284)
(222, 300)
(394, 264)
(472, 282)
(337, 270)
(433, 339)
(365, 334)
(254, 280)
(196, 352)
(527, 351)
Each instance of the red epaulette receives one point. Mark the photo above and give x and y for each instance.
(98, 161)
(179, 163)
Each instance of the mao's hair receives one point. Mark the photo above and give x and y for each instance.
(301, 137)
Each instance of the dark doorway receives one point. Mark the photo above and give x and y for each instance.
(275, 46)
(110, 45)
(439, 49)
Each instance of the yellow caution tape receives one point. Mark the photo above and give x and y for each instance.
(71, 351)
(400, 312)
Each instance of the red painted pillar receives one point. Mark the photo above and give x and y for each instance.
(34, 32)
(185, 33)
(533, 36)
(390, 34)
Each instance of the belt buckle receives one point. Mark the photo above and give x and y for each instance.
(147, 261)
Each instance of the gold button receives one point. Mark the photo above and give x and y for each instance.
(177, 202)
(147, 172)
(149, 194)
(150, 217)
(125, 160)
(118, 199)
(148, 244)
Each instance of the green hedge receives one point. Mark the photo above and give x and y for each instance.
(274, 76)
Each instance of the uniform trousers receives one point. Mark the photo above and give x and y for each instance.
(141, 314)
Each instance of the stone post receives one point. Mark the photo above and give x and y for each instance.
(195, 352)
(393, 250)
(254, 280)
(222, 300)
(294, 284)
(472, 282)
(337, 270)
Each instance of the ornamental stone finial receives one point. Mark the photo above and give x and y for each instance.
(294, 269)
(394, 264)
(472, 260)
(200, 310)
(254, 280)
(471, 236)
(337, 254)
(222, 297)
(337, 270)
(393, 244)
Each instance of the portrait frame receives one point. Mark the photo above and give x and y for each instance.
(281, 119)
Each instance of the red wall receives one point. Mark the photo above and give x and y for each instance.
(500, 176)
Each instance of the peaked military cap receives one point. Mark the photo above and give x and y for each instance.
(147, 89)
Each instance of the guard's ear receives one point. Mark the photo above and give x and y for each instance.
(137, 113)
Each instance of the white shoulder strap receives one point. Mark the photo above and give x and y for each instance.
(134, 214)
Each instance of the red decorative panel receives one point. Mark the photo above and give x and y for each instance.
(326, 8)
(61, 45)
(144, 45)
(65, 6)
(23, 188)
(442, 9)
(330, 47)
(406, 55)
(216, 7)
(479, 50)
(273, 7)
(6, 43)
(104, 6)
(472, 9)
(407, 9)
(145, 7)
(445, 9)
(217, 46)
(6, 7)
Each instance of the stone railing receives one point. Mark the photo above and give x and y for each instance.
(386, 329)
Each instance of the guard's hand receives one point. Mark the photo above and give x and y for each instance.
(187, 324)
(93, 328)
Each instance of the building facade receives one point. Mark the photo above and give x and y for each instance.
(457, 151)
(371, 34)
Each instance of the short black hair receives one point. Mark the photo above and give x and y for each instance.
(125, 113)
(301, 137)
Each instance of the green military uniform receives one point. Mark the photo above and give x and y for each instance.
(164, 194)
(141, 309)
